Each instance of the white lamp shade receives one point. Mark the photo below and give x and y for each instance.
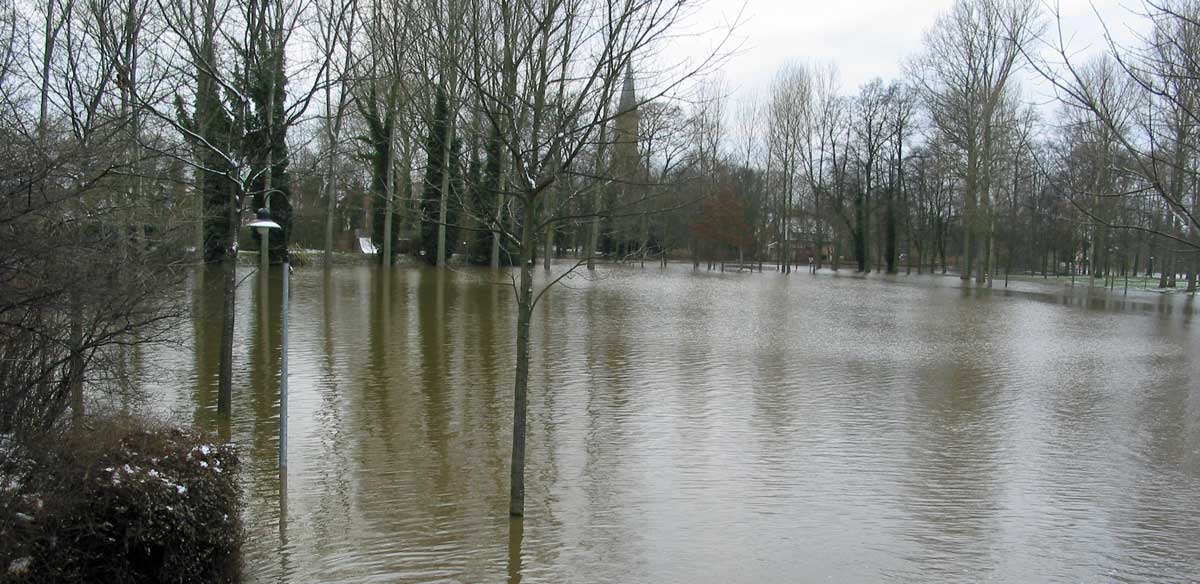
(263, 221)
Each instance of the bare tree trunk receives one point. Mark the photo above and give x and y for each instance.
(48, 40)
(889, 228)
(198, 189)
(1167, 268)
(448, 139)
(644, 227)
(496, 231)
(521, 386)
(403, 178)
(333, 134)
(390, 189)
(331, 201)
(597, 196)
(133, 27)
(508, 87)
(75, 375)
(330, 191)
(269, 172)
(229, 269)
(991, 272)
(548, 234)
(969, 219)
(942, 250)
(785, 258)
(984, 211)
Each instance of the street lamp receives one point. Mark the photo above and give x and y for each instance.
(264, 224)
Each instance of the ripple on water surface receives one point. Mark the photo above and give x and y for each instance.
(702, 427)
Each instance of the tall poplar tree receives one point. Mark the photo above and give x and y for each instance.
(432, 196)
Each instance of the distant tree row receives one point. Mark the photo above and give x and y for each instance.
(950, 166)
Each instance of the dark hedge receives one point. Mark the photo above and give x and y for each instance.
(123, 501)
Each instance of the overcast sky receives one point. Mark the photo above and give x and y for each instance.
(864, 38)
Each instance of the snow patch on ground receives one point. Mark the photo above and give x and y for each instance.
(20, 566)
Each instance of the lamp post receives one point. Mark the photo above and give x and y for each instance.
(264, 249)
(264, 224)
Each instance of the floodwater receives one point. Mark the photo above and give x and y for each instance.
(693, 427)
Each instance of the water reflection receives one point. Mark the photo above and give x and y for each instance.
(516, 534)
(710, 427)
(208, 306)
(256, 413)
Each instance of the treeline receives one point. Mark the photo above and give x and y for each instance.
(381, 118)
(951, 166)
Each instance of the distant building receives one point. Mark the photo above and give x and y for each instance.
(625, 160)
(624, 234)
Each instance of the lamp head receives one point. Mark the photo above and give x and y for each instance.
(263, 220)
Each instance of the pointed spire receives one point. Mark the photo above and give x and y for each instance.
(628, 94)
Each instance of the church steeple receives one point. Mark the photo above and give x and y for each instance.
(628, 120)
(626, 170)
(628, 101)
(627, 129)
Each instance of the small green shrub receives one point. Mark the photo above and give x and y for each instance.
(126, 501)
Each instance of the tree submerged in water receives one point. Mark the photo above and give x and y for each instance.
(546, 79)
(433, 200)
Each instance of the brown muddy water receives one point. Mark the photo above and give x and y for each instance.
(704, 427)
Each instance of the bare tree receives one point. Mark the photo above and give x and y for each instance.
(238, 121)
(335, 32)
(791, 101)
(545, 98)
(962, 74)
(900, 115)
(871, 134)
(78, 281)
(383, 101)
(666, 143)
(1157, 138)
(709, 133)
(818, 146)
